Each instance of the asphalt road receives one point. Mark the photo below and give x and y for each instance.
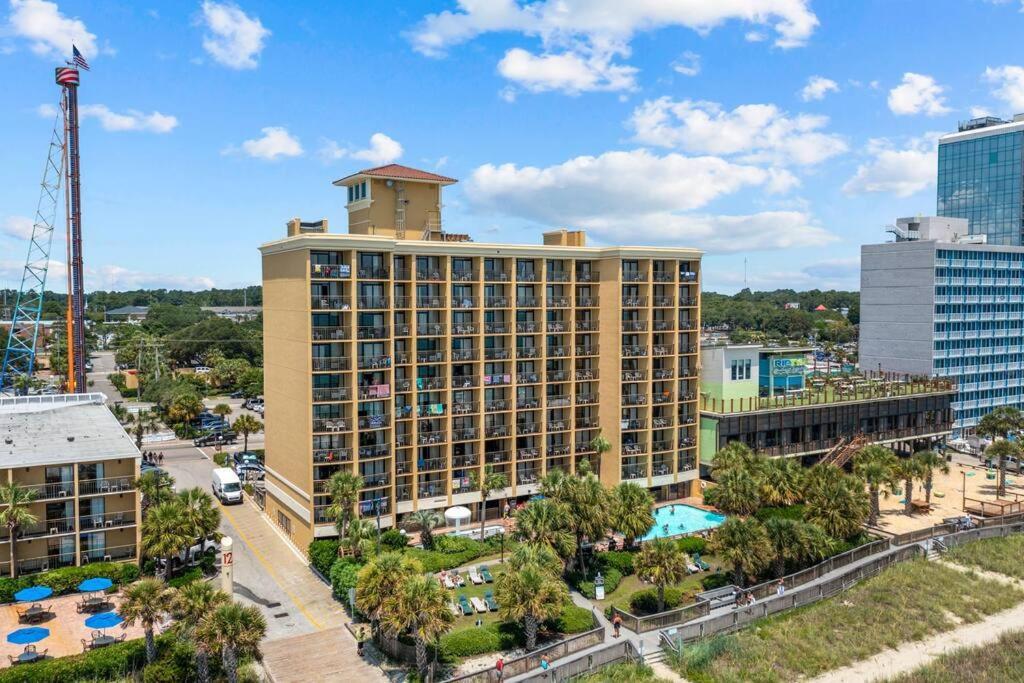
(254, 583)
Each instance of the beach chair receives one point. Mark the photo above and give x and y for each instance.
(704, 566)
(479, 604)
(446, 580)
(459, 581)
(464, 604)
(474, 576)
(486, 573)
(455, 609)
(492, 604)
(691, 567)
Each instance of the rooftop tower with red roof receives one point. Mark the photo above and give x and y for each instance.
(395, 201)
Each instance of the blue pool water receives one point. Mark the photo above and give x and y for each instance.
(681, 519)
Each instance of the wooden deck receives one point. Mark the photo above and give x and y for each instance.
(328, 655)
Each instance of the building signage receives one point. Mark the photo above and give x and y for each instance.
(789, 366)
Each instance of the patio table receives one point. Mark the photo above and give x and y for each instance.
(93, 603)
(28, 657)
(34, 613)
(103, 641)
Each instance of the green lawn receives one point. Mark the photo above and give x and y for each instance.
(1000, 661)
(471, 590)
(632, 584)
(1002, 555)
(907, 602)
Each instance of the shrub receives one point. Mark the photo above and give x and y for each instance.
(612, 578)
(161, 672)
(449, 552)
(322, 555)
(66, 579)
(646, 601)
(114, 662)
(394, 539)
(449, 544)
(343, 577)
(221, 459)
(193, 574)
(617, 559)
(493, 637)
(794, 512)
(573, 619)
(716, 580)
(692, 544)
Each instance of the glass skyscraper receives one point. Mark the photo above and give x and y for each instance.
(980, 178)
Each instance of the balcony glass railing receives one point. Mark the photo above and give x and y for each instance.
(89, 487)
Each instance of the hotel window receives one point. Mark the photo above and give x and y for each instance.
(358, 191)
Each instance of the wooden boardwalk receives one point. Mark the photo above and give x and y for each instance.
(327, 655)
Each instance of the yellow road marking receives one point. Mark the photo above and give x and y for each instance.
(267, 567)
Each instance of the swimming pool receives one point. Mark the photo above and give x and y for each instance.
(681, 519)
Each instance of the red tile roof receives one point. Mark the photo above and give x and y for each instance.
(400, 172)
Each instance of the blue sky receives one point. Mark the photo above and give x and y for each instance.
(780, 132)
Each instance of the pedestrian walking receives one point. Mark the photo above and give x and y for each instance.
(780, 588)
(360, 639)
(617, 623)
(544, 665)
(161, 457)
(499, 668)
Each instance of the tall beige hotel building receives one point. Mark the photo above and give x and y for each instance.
(415, 357)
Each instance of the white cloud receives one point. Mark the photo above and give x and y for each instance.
(918, 94)
(586, 192)
(899, 171)
(18, 227)
(47, 111)
(1009, 81)
(568, 72)
(276, 142)
(817, 87)
(154, 122)
(755, 37)
(978, 112)
(234, 39)
(688, 64)
(382, 150)
(761, 132)
(582, 38)
(112, 277)
(49, 32)
(838, 273)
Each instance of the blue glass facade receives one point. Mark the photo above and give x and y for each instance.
(979, 329)
(980, 179)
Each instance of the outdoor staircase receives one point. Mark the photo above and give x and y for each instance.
(654, 656)
(844, 450)
(934, 553)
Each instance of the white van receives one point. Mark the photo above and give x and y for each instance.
(226, 486)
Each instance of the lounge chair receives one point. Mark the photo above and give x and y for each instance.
(464, 604)
(479, 604)
(492, 604)
(459, 581)
(446, 580)
(474, 576)
(704, 566)
(455, 609)
(691, 567)
(486, 573)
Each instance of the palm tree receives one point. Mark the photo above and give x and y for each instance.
(145, 602)
(420, 607)
(907, 470)
(343, 488)
(876, 465)
(143, 421)
(601, 445)
(189, 606)
(154, 487)
(794, 542)
(200, 513)
(631, 510)
(426, 521)
(745, 544)
(835, 501)
(586, 507)
(930, 461)
(531, 595)
(236, 631)
(998, 425)
(184, 408)
(735, 455)
(537, 554)
(381, 578)
(359, 536)
(491, 481)
(552, 484)
(1000, 450)
(15, 514)
(542, 522)
(662, 563)
(165, 533)
(222, 410)
(247, 424)
(736, 492)
(782, 482)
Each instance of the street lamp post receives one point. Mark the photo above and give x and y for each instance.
(376, 505)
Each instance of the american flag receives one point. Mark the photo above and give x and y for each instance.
(78, 59)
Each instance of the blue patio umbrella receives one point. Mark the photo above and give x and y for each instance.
(95, 584)
(24, 636)
(104, 620)
(33, 593)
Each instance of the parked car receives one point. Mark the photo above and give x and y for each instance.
(202, 370)
(209, 547)
(250, 472)
(252, 403)
(236, 394)
(215, 438)
(245, 458)
(226, 486)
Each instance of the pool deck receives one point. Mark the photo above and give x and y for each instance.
(691, 502)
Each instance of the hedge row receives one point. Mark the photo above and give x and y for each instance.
(115, 662)
(646, 601)
(501, 636)
(66, 579)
